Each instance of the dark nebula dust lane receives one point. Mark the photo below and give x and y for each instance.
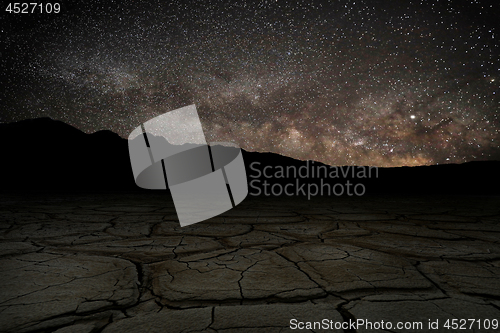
(383, 83)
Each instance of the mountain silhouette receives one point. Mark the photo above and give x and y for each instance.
(46, 154)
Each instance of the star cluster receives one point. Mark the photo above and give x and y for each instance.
(350, 82)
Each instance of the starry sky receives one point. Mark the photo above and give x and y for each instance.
(358, 82)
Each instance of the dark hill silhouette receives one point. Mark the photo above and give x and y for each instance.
(45, 154)
(477, 178)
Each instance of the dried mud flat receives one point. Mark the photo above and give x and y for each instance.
(119, 262)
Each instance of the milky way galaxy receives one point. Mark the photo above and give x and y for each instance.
(383, 83)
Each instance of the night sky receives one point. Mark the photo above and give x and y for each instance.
(383, 83)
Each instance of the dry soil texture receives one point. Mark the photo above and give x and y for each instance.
(120, 262)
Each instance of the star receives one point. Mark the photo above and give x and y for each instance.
(344, 82)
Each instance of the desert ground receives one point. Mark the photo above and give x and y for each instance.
(120, 262)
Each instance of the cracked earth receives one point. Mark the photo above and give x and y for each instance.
(120, 262)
